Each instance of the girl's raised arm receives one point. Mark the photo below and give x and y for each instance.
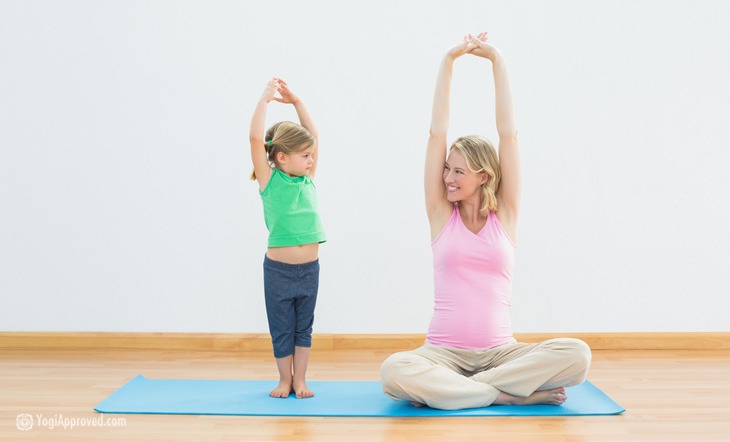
(305, 119)
(259, 157)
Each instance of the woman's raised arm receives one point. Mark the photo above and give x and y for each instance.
(510, 187)
(438, 207)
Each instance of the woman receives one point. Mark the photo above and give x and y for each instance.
(470, 358)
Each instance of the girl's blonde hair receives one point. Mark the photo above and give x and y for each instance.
(286, 137)
(481, 156)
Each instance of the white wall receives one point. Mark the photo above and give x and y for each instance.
(124, 157)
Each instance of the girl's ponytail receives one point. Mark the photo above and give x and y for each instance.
(286, 137)
(268, 147)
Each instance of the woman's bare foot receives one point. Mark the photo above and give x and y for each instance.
(417, 404)
(556, 396)
(282, 391)
(301, 390)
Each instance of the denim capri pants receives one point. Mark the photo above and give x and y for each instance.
(291, 294)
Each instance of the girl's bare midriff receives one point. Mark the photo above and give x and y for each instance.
(294, 254)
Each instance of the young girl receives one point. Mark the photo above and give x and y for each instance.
(284, 163)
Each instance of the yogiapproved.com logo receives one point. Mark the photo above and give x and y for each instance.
(24, 422)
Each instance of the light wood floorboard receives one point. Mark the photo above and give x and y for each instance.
(670, 395)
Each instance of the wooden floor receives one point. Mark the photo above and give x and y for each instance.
(673, 395)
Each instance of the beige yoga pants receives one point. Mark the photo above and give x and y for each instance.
(453, 378)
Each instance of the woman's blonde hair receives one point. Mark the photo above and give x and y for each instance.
(286, 137)
(481, 156)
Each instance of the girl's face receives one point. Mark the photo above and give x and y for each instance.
(461, 183)
(297, 163)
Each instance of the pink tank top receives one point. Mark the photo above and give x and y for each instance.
(473, 285)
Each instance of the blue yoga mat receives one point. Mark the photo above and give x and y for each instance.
(332, 398)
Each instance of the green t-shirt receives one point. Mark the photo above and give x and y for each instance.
(290, 210)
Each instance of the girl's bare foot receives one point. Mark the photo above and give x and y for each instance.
(282, 391)
(556, 396)
(301, 360)
(301, 390)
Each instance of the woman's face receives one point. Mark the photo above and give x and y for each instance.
(461, 183)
